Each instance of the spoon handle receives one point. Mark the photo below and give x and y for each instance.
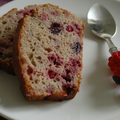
(112, 47)
(114, 61)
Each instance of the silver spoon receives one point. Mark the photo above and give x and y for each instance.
(102, 24)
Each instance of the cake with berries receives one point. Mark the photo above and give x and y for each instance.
(48, 53)
(8, 25)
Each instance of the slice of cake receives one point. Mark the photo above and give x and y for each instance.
(8, 25)
(47, 54)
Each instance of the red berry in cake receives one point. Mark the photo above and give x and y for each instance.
(70, 69)
(58, 61)
(77, 47)
(54, 59)
(68, 76)
(26, 13)
(69, 28)
(44, 16)
(56, 28)
(52, 74)
(53, 13)
(75, 62)
(77, 29)
(22, 13)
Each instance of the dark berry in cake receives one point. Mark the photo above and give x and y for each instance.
(52, 74)
(77, 29)
(69, 88)
(77, 47)
(56, 28)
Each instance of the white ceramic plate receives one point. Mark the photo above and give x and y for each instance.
(99, 97)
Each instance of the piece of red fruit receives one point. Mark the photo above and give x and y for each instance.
(70, 69)
(44, 16)
(54, 59)
(52, 74)
(69, 28)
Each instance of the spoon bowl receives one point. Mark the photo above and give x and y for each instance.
(102, 24)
